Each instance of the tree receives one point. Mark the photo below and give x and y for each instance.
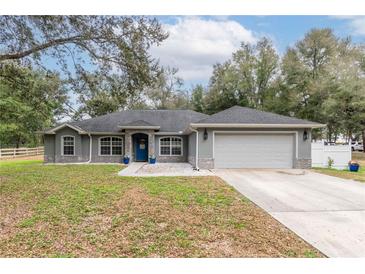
(245, 79)
(167, 91)
(29, 101)
(305, 71)
(100, 94)
(102, 45)
(197, 99)
(323, 76)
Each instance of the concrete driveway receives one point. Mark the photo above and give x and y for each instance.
(327, 212)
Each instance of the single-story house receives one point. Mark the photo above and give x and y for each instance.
(237, 137)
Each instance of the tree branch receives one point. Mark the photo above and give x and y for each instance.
(60, 41)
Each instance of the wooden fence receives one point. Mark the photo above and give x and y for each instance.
(20, 152)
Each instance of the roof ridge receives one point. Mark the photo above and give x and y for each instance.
(253, 110)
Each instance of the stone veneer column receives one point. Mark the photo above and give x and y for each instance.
(303, 163)
(128, 141)
(128, 144)
(151, 144)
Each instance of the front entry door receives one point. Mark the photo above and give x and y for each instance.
(141, 149)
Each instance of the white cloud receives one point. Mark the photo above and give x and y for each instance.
(195, 44)
(355, 23)
(358, 25)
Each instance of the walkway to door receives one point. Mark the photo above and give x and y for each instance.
(162, 169)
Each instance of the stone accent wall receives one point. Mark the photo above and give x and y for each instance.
(170, 159)
(206, 163)
(151, 144)
(68, 159)
(129, 144)
(303, 163)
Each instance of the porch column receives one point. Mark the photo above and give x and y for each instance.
(151, 144)
(128, 144)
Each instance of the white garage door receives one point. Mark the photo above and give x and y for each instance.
(253, 150)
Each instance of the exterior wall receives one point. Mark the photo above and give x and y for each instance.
(59, 158)
(96, 158)
(85, 146)
(192, 148)
(49, 148)
(206, 146)
(172, 159)
(53, 147)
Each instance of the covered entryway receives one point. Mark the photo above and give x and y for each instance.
(253, 150)
(140, 147)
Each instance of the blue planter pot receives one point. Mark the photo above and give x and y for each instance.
(126, 161)
(152, 160)
(354, 168)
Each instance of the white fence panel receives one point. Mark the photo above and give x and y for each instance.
(20, 152)
(340, 154)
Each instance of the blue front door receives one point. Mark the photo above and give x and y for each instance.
(141, 148)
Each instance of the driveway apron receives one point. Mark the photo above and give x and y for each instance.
(327, 212)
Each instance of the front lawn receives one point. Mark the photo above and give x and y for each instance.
(346, 174)
(88, 211)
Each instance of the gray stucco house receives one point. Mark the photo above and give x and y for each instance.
(237, 137)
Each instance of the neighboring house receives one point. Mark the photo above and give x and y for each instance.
(238, 137)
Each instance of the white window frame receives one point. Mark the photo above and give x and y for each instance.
(111, 146)
(62, 145)
(182, 146)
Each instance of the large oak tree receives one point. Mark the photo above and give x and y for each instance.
(80, 45)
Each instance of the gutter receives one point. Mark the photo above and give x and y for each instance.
(196, 149)
(90, 147)
(227, 125)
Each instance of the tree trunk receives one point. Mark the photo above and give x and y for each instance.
(17, 143)
(363, 139)
(329, 134)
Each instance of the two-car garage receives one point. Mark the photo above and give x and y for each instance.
(253, 150)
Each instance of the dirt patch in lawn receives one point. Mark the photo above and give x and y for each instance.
(14, 159)
(89, 211)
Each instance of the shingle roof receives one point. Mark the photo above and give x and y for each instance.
(137, 123)
(168, 120)
(180, 120)
(244, 115)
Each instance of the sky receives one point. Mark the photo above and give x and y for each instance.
(196, 43)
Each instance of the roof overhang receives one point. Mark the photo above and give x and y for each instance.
(76, 128)
(225, 125)
(139, 127)
(170, 133)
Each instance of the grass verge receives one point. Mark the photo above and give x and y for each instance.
(88, 211)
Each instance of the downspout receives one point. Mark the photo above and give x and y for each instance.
(90, 148)
(196, 149)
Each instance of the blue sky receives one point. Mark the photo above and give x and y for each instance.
(198, 42)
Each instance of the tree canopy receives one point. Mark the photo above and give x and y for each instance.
(29, 101)
(104, 62)
(84, 45)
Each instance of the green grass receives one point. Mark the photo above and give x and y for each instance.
(346, 174)
(17, 163)
(89, 211)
